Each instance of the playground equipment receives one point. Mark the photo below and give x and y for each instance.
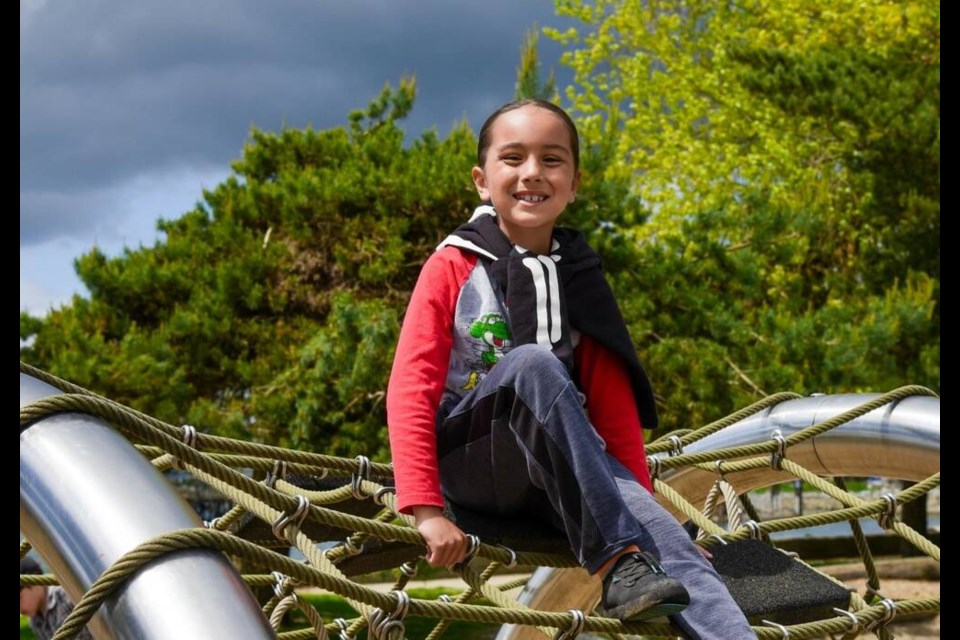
(115, 533)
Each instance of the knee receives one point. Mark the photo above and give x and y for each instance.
(534, 360)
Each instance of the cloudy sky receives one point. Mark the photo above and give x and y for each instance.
(129, 108)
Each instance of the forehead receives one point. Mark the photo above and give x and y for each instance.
(530, 126)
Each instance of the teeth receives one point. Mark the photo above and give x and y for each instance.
(531, 198)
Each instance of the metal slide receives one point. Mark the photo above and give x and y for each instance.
(87, 497)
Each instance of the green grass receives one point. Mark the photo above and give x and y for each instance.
(786, 488)
(25, 632)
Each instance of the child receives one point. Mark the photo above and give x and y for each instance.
(47, 607)
(516, 388)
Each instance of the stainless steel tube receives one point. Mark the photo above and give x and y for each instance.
(898, 441)
(87, 497)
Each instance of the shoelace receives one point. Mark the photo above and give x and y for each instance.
(636, 566)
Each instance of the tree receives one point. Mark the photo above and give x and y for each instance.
(529, 82)
(763, 189)
(664, 80)
(724, 315)
(889, 109)
(787, 154)
(270, 311)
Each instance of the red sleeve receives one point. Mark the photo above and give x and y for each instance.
(611, 406)
(418, 377)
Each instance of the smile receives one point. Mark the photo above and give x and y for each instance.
(529, 197)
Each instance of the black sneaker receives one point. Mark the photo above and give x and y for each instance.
(637, 588)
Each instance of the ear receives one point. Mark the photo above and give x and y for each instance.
(480, 181)
(576, 185)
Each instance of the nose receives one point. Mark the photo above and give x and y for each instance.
(531, 170)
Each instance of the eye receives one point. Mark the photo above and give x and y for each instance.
(552, 160)
(511, 158)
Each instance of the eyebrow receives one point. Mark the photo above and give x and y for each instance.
(550, 145)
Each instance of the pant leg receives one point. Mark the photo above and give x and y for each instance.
(712, 613)
(523, 434)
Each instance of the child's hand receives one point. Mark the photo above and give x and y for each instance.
(446, 543)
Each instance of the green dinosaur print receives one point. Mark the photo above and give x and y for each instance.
(492, 329)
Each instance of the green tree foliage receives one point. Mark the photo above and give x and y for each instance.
(664, 81)
(761, 180)
(789, 154)
(270, 311)
(529, 82)
(887, 111)
(724, 313)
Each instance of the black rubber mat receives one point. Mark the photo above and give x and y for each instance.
(769, 585)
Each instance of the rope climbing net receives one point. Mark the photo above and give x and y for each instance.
(290, 511)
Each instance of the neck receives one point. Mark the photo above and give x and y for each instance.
(536, 241)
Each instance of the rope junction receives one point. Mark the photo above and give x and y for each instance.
(276, 513)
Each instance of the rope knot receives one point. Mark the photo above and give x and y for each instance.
(296, 518)
(776, 458)
(362, 473)
(655, 464)
(513, 557)
(576, 626)
(381, 493)
(754, 529)
(473, 546)
(344, 629)
(384, 626)
(854, 622)
(889, 613)
(352, 548)
(888, 517)
(189, 438)
(283, 585)
(278, 472)
(719, 466)
(784, 632)
(676, 445)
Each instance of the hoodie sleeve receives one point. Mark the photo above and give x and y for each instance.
(611, 406)
(419, 375)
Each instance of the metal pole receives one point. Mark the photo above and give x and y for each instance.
(87, 497)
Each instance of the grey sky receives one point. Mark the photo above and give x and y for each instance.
(128, 109)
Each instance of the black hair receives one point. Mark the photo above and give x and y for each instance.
(29, 566)
(483, 140)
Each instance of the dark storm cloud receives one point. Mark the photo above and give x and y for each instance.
(111, 91)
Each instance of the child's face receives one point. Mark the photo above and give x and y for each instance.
(529, 173)
(31, 600)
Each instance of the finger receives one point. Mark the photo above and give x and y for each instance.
(458, 554)
(436, 559)
(451, 555)
(431, 558)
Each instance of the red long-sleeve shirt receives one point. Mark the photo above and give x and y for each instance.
(421, 377)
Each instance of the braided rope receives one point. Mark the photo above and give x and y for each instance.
(205, 442)
(812, 431)
(212, 460)
(662, 444)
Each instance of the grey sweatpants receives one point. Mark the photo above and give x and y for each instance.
(520, 442)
